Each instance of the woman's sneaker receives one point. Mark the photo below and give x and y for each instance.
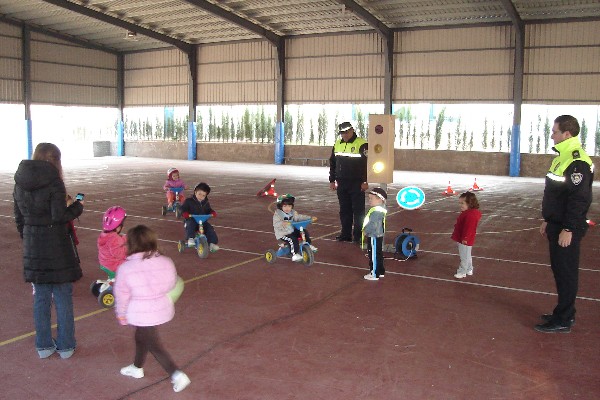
(371, 277)
(133, 371)
(297, 257)
(213, 247)
(460, 275)
(180, 381)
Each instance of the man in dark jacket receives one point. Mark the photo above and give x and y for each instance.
(567, 198)
(348, 176)
(50, 260)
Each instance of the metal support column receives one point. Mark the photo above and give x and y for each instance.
(193, 96)
(120, 104)
(26, 71)
(279, 126)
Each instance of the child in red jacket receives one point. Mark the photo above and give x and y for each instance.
(112, 246)
(464, 232)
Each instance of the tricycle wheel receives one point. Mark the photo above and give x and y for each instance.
(202, 247)
(106, 298)
(178, 211)
(270, 256)
(307, 255)
(95, 288)
(164, 210)
(181, 246)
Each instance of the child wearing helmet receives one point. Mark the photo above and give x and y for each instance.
(112, 247)
(173, 181)
(198, 204)
(283, 228)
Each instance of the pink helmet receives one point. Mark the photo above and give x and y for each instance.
(170, 172)
(113, 218)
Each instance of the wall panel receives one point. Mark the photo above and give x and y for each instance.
(335, 69)
(237, 73)
(561, 63)
(156, 78)
(454, 65)
(11, 87)
(67, 74)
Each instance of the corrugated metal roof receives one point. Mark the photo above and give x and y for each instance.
(211, 21)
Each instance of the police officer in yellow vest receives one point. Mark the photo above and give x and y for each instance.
(348, 175)
(567, 198)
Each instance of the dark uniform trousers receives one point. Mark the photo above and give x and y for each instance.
(352, 207)
(565, 267)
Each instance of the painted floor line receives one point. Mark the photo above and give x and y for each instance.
(457, 281)
(91, 314)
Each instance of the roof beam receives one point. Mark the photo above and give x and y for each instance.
(58, 35)
(512, 12)
(272, 37)
(366, 16)
(183, 46)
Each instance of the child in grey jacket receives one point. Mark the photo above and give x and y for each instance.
(283, 228)
(374, 230)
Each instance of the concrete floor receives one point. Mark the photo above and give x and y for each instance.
(245, 329)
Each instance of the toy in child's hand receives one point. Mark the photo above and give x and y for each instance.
(79, 197)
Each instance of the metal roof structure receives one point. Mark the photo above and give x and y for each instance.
(137, 25)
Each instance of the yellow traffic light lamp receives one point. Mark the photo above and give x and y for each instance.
(380, 157)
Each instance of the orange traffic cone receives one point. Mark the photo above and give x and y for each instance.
(268, 190)
(475, 187)
(449, 191)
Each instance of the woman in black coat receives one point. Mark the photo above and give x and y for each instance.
(50, 260)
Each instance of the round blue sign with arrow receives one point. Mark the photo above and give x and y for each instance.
(410, 197)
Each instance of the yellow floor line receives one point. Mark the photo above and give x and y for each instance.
(29, 334)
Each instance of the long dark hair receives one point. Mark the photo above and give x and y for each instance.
(48, 152)
(141, 239)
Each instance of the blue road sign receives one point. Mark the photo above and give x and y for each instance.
(410, 198)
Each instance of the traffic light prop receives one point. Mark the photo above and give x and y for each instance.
(380, 160)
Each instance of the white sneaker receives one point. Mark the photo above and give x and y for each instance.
(213, 247)
(371, 277)
(381, 275)
(180, 381)
(470, 272)
(460, 275)
(297, 257)
(313, 248)
(133, 371)
(191, 242)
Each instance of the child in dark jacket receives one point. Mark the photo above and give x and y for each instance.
(198, 204)
(464, 232)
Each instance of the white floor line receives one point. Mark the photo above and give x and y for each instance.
(456, 281)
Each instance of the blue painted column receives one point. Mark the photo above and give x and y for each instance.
(191, 140)
(120, 139)
(29, 128)
(279, 143)
(515, 151)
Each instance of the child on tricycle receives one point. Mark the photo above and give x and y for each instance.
(196, 205)
(174, 187)
(284, 229)
(112, 251)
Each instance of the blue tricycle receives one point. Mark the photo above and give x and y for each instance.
(176, 207)
(200, 241)
(308, 256)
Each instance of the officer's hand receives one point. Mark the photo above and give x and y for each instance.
(332, 186)
(564, 238)
(543, 228)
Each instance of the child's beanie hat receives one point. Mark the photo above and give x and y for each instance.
(379, 192)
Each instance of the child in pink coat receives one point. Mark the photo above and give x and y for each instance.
(141, 293)
(464, 232)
